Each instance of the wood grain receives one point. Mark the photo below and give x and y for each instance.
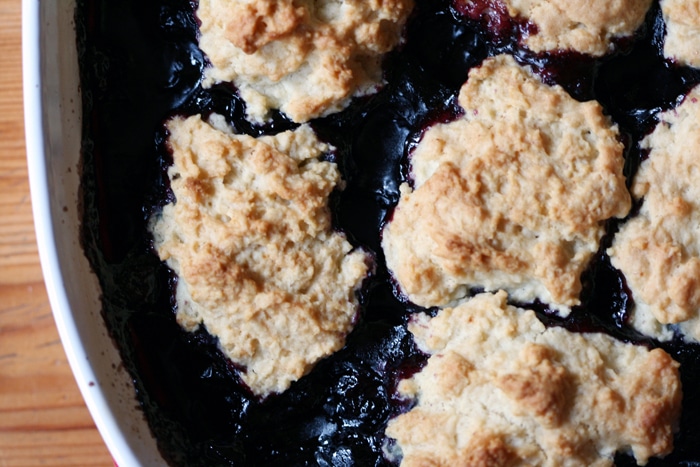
(43, 419)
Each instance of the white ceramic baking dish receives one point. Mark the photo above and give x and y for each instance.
(52, 108)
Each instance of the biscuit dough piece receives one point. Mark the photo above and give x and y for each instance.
(305, 57)
(513, 195)
(659, 250)
(500, 389)
(585, 26)
(251, 240)
(682, 42)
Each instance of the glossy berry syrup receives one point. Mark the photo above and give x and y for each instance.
(140, 64)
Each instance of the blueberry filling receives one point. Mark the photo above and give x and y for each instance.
(140, 64)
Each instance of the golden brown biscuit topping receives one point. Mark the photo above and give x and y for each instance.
(587, 27)
(250, 238)
(511, 195)
(501, 389)
(307, 58)
(659, 250)
(682, 42)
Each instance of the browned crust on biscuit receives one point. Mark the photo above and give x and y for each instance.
(513, 194)
(251, 240)
(502, 388)
(306, 58)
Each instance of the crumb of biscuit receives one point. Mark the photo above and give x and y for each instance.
(501, 389)
(512, 195)
(584, 26)
(251, 241)
(658, 251)
(306, 58)
(682, 42)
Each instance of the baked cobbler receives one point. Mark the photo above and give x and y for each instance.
(370, 233)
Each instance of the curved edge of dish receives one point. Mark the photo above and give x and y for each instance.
(52, 109)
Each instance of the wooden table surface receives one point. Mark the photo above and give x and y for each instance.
(43, 419)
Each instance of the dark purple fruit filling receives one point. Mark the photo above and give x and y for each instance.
(140, 64)
(494, 19)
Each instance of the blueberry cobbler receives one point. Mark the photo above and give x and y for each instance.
(399, 232)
